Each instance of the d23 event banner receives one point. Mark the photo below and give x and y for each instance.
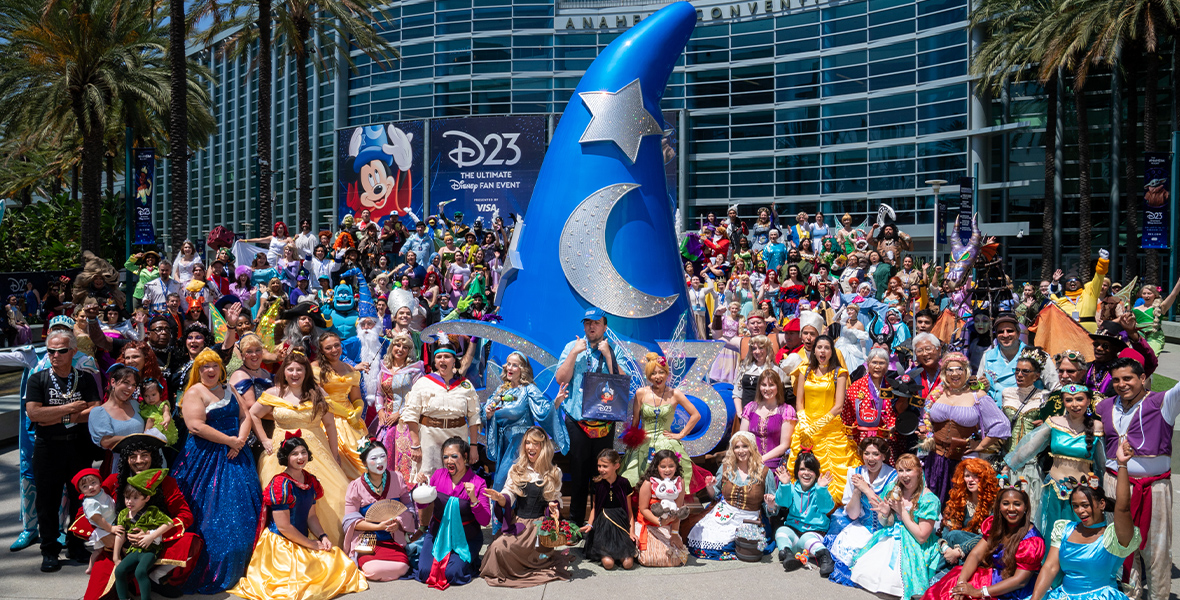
(1157, 169)
(379, 168)
(485, 167)
(966, 184)
(145, 177)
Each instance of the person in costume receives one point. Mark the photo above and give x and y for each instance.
(145, 266)
(139, 517)
(900, 558)
(1022, 402)
(99, 509)
(1072, 440)
(117, 417)
(808, 504)
(1079, 302)
(661, 511)
(727, 327)
(820, 386)
(770, 418)
(974, 488)
(1088, 553)
(377, 541)
(181, 547)
(531, 494)
(760, 231)
(294, 557)
(999, 362)
(608, 532)
(855, 522)
(398, 375)
(441, 405)
(342, 391)
(276, 241)
(653, 409)
(186, 259)
(454, 508)
(959, 422)
(511, 411)
(216, 473)
(1149, 309)
(869, 409)
(1112, 342)
(341, 312)
(740, 489)
(799, 234)
(297, 406)
(1146, 420)
(1005, 563)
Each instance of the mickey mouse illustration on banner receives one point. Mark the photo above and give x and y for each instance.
(381, 157)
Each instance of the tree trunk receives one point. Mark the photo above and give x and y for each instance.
(74, 183)
(264, 134)
(178, 122)
(91, 165)
(1085, 219)
(110, 175)
(1130, 172)
(1048, 218)
(1151, 272)
(304, 108)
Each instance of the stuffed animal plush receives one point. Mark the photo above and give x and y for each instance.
(667, 491)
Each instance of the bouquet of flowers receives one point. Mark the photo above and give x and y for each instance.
(554, 533)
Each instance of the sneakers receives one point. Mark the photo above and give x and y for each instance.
(826, 564)
(24, 540)
(782, 554)
(50, 564)
(792, 564)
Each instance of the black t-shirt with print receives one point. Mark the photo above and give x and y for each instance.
(41, 389)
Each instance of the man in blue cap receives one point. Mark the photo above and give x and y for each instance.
(589, 354)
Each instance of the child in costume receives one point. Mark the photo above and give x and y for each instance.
(608, 532)
(139, 517)
(657, 535)
(99, 508)
(156, 413)
(809, 506)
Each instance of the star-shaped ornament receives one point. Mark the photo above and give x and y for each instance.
(619, 117)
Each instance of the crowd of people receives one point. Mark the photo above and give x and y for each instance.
(274, 426)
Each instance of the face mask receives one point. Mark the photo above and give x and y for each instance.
(376, 462)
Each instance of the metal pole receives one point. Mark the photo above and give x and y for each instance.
(128, 198)
(1175, 223)
(934, 255)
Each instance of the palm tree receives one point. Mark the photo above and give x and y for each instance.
(61, 62)
(339, 25)
(1116, 33)
(1015, 43)
(178, 121)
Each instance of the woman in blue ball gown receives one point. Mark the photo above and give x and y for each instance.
(216, 473)
(1090, 553)
(515, 406)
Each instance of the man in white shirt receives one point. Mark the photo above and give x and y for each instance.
(155, 292)
(306, 241)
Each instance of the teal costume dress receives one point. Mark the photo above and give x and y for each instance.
(1090, 570)
(894, 562)
(657, 423)
(1069, 454)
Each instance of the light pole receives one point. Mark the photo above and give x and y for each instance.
(936, 184)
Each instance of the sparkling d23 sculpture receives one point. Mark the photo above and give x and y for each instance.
(600, 229)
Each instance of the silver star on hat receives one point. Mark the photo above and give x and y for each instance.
(619, 117)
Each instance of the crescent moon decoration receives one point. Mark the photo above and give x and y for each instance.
(587, 265)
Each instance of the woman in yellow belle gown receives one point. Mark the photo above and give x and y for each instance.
(297, 405)
(293, 558)
(819, 391)
(345, 402)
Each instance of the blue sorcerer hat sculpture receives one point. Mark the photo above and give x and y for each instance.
(600, 230)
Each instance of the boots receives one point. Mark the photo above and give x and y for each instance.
(826, 565)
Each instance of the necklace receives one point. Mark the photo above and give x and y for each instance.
(377, 491)
(71, 380)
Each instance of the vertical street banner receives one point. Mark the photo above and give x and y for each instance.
(1157, 169)
(379, 169)
(144, 176)
(940, 209)
(966, 185)
(485, 167)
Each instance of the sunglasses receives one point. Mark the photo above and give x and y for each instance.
(53, 351)
(1025, 371)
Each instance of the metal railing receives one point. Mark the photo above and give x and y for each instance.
(582, 4)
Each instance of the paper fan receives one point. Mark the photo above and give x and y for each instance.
(384, 510)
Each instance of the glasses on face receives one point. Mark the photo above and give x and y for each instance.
(1025, 371)
(951, 370)
(159, 330)
(56, 351)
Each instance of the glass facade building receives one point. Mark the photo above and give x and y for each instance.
(808, 104)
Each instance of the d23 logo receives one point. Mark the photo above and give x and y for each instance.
(486, 153)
